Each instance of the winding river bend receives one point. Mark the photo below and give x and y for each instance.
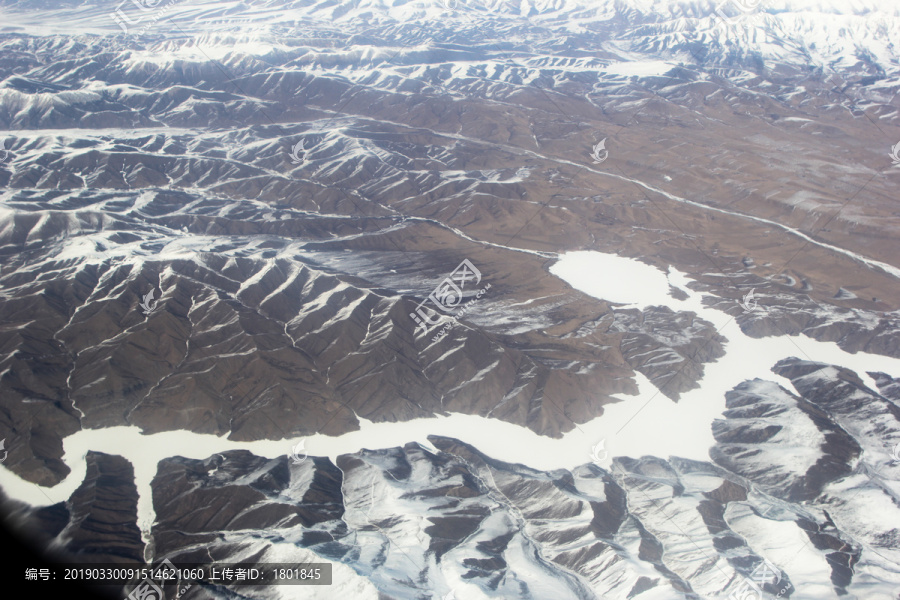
(637, 426)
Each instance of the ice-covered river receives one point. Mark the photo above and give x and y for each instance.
(661, 428)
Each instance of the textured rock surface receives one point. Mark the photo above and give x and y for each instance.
(284, 181)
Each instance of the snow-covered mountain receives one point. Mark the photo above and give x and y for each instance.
(672, 224)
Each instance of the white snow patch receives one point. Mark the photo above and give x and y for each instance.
(639, 68)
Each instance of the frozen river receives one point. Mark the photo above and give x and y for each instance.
(649, 424)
